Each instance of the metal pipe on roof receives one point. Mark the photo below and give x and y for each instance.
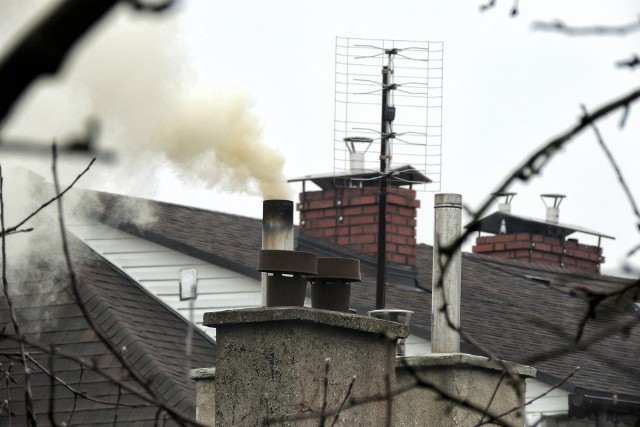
(277, 231)
(446, 282)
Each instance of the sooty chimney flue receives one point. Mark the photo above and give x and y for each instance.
(277, 230)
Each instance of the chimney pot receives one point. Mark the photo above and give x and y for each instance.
(504, 201)
(277, 231)
(552, 202)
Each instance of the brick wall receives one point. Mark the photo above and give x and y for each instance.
(349, 217)
(545, 250)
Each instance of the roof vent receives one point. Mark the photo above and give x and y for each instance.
(504, 201)
(552, 202)
(356, 153)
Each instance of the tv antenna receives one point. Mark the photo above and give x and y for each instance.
(365, 112)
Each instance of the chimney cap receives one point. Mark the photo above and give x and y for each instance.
(504, 205)
(347, 269)
(557, 199)
(287, 262)
(350, 142)
(522, 224)
(509, 195)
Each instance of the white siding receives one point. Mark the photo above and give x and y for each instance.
(555, 403)
(157, 269)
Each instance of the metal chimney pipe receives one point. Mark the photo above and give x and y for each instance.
(504, 198)
(552, 202)
(277, 231)
(447, 229)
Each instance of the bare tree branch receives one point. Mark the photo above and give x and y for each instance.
(14, 229)
(615, 167)
(52, 389)
(490, 4)
(595, 30)
(633, 62)
(159, 400)
(344, 401)
(387, 396)
(540, 396)
(584, 344)
(535, 163)
(44, 49)
(14, 320)
(151, 6)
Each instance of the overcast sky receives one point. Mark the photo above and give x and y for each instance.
(269, 66)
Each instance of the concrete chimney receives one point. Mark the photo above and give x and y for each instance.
(277, 363)
(277, 231)
(447, 229)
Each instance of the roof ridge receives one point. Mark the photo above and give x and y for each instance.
(161, 202)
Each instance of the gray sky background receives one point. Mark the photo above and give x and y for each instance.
(258, 78)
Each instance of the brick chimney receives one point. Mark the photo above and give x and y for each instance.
(345, 212)
(543, 250)
(349, 217)
(542, 242)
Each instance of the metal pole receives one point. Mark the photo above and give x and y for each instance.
(445, 287)
(277, 231)
(382, 194)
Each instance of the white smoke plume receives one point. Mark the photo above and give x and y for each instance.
(131, 73)
(141, 86)
(215, 137)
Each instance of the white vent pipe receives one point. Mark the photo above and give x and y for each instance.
(447, 229)
(552, 202)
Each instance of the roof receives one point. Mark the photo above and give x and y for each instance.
(523, 224)
(517, 310)
(149, 336)
(400, 176)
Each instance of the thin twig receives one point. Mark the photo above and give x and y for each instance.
(493, 396)
(22, 230)
(325, 392)
(14, 229)
(153, 7)
(632, 62)
(144, 383)
(119, 395)
(444, 266)
(52, 389)
(75, 396)
(615, 167)
(420, 383)
(14, 320)
(584, 344)
(82, 362)
(540, 396)
(344, 401)
(595, 30)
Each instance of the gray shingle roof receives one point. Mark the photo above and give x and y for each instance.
(516, 310)
(154, 336)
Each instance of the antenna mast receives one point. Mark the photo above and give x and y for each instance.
(388, 115)
(414, 147)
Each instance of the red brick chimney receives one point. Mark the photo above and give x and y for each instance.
(543, 250)
(542, 242)
(347, 215)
